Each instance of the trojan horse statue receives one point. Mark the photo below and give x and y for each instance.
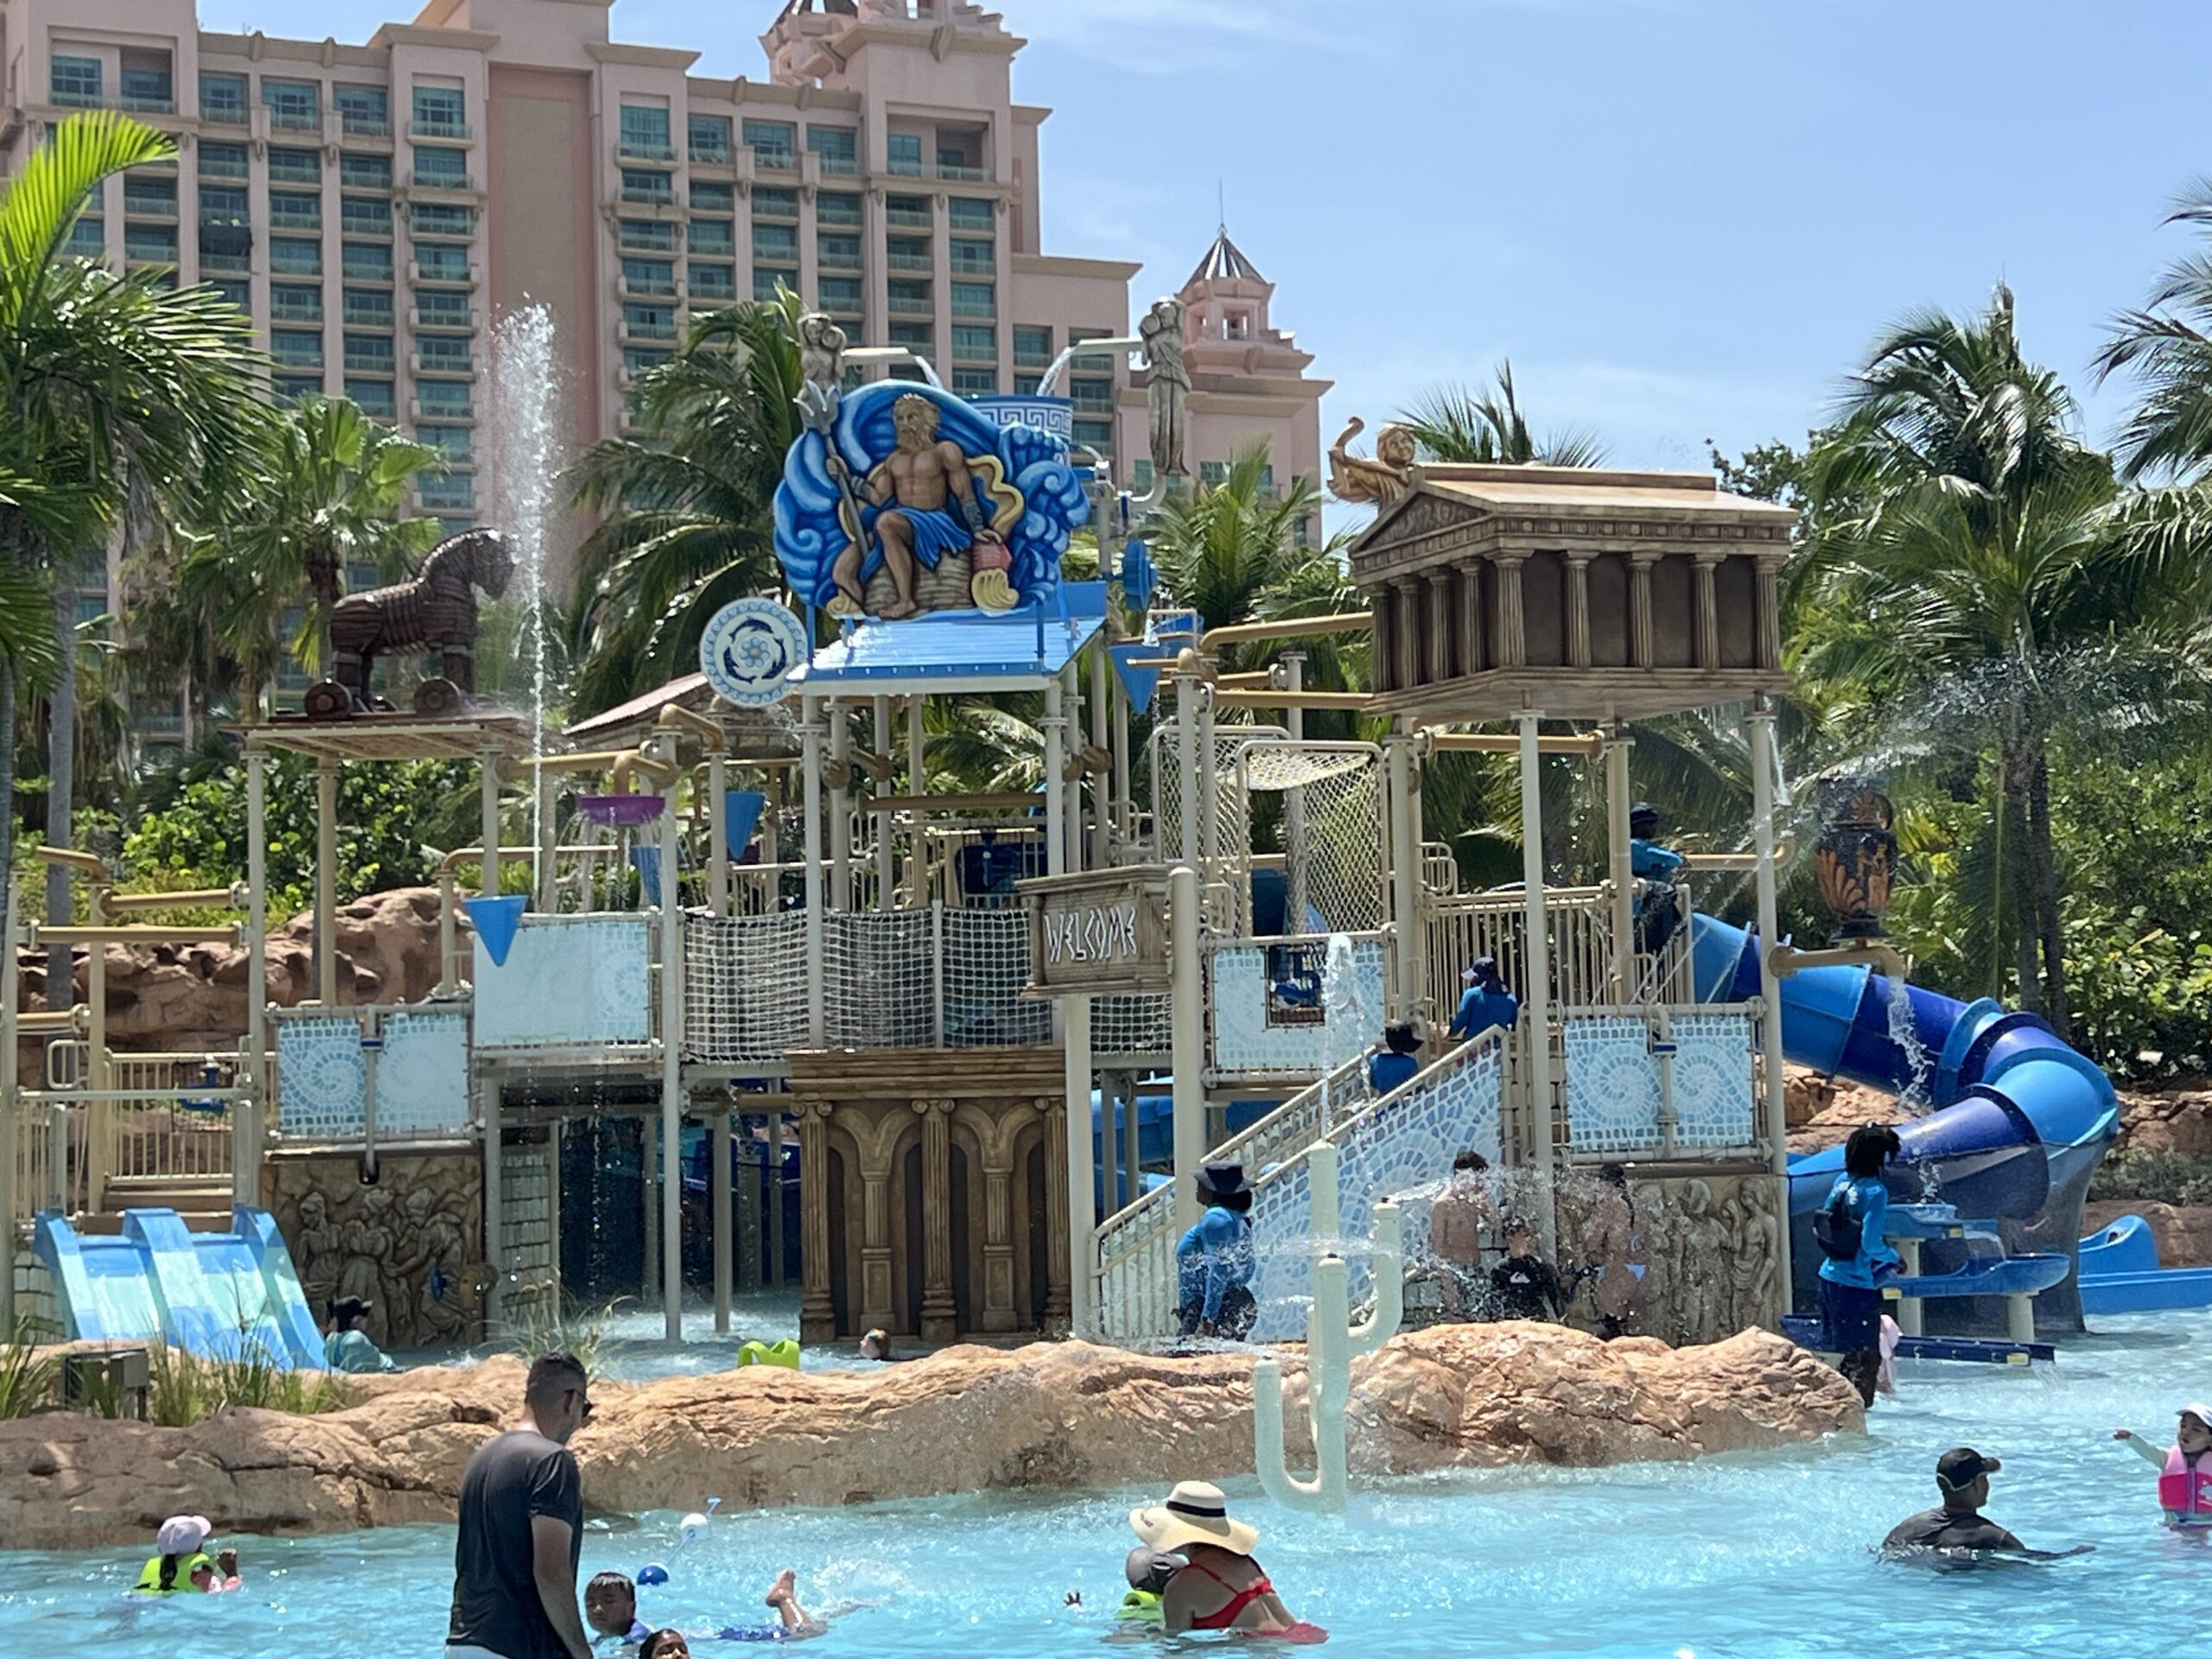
(435, 612)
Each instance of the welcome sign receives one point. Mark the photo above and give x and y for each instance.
(1103, 933)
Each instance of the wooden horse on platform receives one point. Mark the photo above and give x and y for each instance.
(434, 611)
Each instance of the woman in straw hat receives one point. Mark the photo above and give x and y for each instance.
(1222, 1588)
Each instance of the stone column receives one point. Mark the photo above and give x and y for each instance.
(1382, 606)
(876, 1300)
(1473, 657)
(1440, 626)
(1578, 609)
(940, 1319)
(1642, 650)
(999, 1311)
(1405, 638)
(1769, 609)
(1708, 610)
(817, 1315)
(1512, 650)
(1050, 1108)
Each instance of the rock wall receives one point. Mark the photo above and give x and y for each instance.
(1050, 1416)
(2175, 1117)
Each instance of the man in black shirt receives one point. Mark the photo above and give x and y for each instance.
(522, 1526)
(1962, 1476)
(1523, 1285)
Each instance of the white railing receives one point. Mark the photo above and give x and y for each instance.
(1659, 1080)
(153, 1118)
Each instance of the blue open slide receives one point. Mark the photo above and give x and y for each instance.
(2019, 1121)
(220, 1295)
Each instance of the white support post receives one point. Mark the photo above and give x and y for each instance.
(775, 1197)
(548, 837)
(554, 1139)
(1082, 1224)
(884, 877)
(326, 882)
(247, 1140)
(718, 1150)
(1070, 747)
(1536, 957)
(810, 773)
(1759, 729)
(1405, 872)
(99, 1116)
(1187, 768)
(649, 1181)
(1619, 869)
(840, 814)
(1187, 1040)
(1124, 807)
(487, 762)
(1210, 848)
(488, 1112)
(1102, 807)
(918, 785)
(1293, 800)
(1056, 789)
(718, 834)
(672, 1082)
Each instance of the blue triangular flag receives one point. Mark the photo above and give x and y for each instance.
(495, 920)
(646, 861)
(1138, 682)
(741, 813)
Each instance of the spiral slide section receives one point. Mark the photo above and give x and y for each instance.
(2019, 1120)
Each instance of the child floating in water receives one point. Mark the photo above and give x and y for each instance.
(2184, 1467)
(180, 1561)
(611, 1610)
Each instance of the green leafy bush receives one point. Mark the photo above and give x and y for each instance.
(27, 1375)
(182, 1387)
(2154, 1177)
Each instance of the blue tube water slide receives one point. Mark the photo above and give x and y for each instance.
(2018, 1120)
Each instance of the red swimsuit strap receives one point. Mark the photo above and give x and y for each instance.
(1226, 1616)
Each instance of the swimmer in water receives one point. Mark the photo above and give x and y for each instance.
(1147, 1571)
(2184, 1468)
(1220, 1586)
(611, 1610)
(1959, 1531)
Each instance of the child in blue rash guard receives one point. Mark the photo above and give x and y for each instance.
(1396, 1064)
(1485, 1003)
(1213, 1261)
(611, 1610)
(1849, 1232)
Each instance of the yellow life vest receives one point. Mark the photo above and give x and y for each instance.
(150, 1580)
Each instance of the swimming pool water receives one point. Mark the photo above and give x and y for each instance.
(1763, 1556)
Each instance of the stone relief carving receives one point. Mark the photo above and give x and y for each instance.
(412, 1244)
(1383, 479)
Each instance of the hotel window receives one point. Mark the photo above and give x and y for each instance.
(645, 132)
(712, 283)
(650, 276)
(839, 294)
(710, 197)
(443, 264)
(445, 353)
(365, 111)
(836, 208)
(295, 210)
(152, 245)
(776, 243)
(970, 213)
(222, 98)
(975, 300)
(365, 215)
(369, 308)
(1033, 347)
(1092, 396)
(914, 336)
(76, 82)
(1212, 475)
(903, 152)
(976, 383)
(766, 282)
(369, 353)
(234, 294)
(440, 112)
(440, 168)
(295, 166)
(971, 254)
(296, 302)
(359, 172)
(222, 161)
(87, 238)
(154, 197)
(1099, 434)
(146, 84)
(455, 443)
(713, 235)
(775, 203)
(441, 310)
(708, 138)
(1140, 476)
(637, 361)
(295, 348)
(910, 298)
(377, 399)
(226, 238)
(771, 144)
(973, 345)
(294, 105)
(367, 261)
(645, 184)
(442, 219)
(645, 236)
(912, 212)
(838, 147)
(445, 400)
(836, 250)
(908, 253)
(459, 490)
(650, 321)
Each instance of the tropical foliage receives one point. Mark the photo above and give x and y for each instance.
(1460, 424)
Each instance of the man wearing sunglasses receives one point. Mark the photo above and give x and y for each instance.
(522, 1522)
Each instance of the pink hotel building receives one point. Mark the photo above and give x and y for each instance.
(376, 207)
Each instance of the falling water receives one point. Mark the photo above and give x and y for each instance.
(526, 436)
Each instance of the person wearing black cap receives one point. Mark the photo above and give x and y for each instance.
(1653, 864)
(346, 1346)
(1962, 1476)
(1213, 1261)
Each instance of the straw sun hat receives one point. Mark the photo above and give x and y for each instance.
(1195, 1513)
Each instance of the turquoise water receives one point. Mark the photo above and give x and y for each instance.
(1764, 1556)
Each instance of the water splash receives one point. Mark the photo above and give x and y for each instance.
(526, 431)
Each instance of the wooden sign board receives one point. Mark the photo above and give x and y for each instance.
(1100, 933)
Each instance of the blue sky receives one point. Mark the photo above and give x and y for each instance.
(1681, 218)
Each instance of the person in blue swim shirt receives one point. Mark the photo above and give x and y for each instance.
(611, 1610)
(1394, 1064)
(1855, 1256)
(1649, 859)
(1213, 1261)
(1486, 1002)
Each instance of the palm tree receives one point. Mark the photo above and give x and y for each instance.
(327, 495)
(1988, 582)
(1457, 423)
(2166, 348)
(689, 505)
(115, 391)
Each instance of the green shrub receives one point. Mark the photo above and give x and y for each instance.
(27, 1375)
(570, 1327)
(2154, 1177)
(183, 1388)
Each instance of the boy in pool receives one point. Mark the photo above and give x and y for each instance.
(2184, 1468)
(1524, 1285)
(611, 1610)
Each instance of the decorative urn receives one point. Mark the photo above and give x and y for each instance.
(1856, 857)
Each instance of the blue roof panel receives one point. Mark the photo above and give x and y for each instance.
(946, 646)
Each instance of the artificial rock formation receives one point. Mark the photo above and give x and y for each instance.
(1050, 1416)
(2175, 1117)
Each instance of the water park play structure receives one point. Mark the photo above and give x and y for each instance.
(1003, 1030)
